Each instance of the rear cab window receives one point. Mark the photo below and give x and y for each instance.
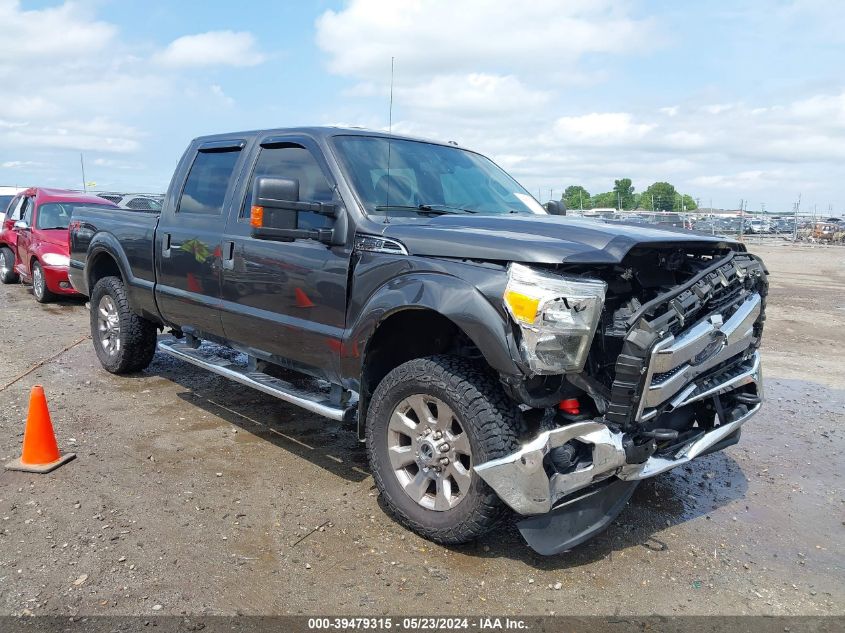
(208, 180)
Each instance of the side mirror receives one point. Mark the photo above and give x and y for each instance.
(276, 192)
(275, 208)
(20, 224)
(555, 207)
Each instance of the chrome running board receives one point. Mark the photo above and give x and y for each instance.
(313, 401)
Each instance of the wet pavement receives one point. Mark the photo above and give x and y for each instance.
(192, 494)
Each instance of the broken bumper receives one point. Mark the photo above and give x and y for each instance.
(523, 481)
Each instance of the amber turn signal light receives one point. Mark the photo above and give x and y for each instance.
(256, 217)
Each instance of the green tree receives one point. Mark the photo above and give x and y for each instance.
(605, 200)
(689, 203)
(624, 191)
(660, 196)
(576, 197)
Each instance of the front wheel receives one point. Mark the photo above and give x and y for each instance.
(7, 266)
(124, 341)
(40, 290)
(430, 421)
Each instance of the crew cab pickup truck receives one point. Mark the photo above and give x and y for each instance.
(498, 360)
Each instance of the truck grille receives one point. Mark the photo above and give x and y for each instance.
(677, 342)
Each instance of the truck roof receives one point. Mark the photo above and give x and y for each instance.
(323, 132)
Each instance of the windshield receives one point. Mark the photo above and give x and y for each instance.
(4, 203)
(428, 179)
(56, 215)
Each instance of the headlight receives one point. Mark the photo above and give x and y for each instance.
(54, 259)
(557, 316)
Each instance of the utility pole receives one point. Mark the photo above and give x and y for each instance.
(741, 219)
(795, 228)
(82, 164)
(581, 201)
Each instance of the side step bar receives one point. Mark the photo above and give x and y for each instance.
(315, 402)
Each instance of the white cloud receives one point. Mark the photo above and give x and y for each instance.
(473, 95)
(17, 164)
(50, 32)
(445, 37)
(600, 129)
(214, 48)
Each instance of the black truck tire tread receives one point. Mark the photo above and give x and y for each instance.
(137, 334)
(486, 413)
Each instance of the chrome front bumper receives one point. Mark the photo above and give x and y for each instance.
(521, 481)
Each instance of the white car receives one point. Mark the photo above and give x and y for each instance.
(138, 202)
(6, 195)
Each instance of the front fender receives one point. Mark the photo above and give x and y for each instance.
(458, 300)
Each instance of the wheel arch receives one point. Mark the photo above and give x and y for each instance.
(418, 315)
(105, 258)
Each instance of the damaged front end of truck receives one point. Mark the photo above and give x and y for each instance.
(631, 370)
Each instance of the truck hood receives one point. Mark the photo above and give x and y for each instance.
(536, 239)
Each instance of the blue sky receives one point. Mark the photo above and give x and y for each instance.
(726, 100)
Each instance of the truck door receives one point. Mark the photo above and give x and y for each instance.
(188, 237)
(287, 299)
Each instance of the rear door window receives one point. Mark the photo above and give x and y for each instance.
(207, 183)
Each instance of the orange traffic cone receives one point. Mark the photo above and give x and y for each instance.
(40, 451)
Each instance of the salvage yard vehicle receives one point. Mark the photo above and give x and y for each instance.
(39, 239)
(497, 360)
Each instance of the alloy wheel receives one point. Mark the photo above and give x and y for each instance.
(108, 325)
(429, 452)
(38, 281)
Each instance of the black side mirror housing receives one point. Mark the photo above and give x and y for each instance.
(276, 192)
(555, 207)
(275, 207)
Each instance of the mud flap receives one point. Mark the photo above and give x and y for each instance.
(578, 520)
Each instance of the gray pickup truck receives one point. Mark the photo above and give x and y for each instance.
(499, 360)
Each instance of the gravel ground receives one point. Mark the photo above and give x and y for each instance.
(193, 495)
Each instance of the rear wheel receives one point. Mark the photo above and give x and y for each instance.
(7, 266)
(124, 341)
(40, 290)
(430, 421)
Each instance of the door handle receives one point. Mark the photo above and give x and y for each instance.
(228, 255)
(165, 245)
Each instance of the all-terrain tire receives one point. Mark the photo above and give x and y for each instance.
(7, 266)
(489, 418)
(40, 290)
(137, 335)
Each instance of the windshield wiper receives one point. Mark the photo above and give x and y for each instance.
(427, 209)
(54, 228)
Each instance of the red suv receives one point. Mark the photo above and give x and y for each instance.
(34, 239)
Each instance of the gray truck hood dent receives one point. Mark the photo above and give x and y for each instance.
(535, 239)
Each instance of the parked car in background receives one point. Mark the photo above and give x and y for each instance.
(135, 201)
(10, 214)
(41, 239)
(825, 231)
(6, 196)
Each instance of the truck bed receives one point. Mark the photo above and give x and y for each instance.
(127, 235)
